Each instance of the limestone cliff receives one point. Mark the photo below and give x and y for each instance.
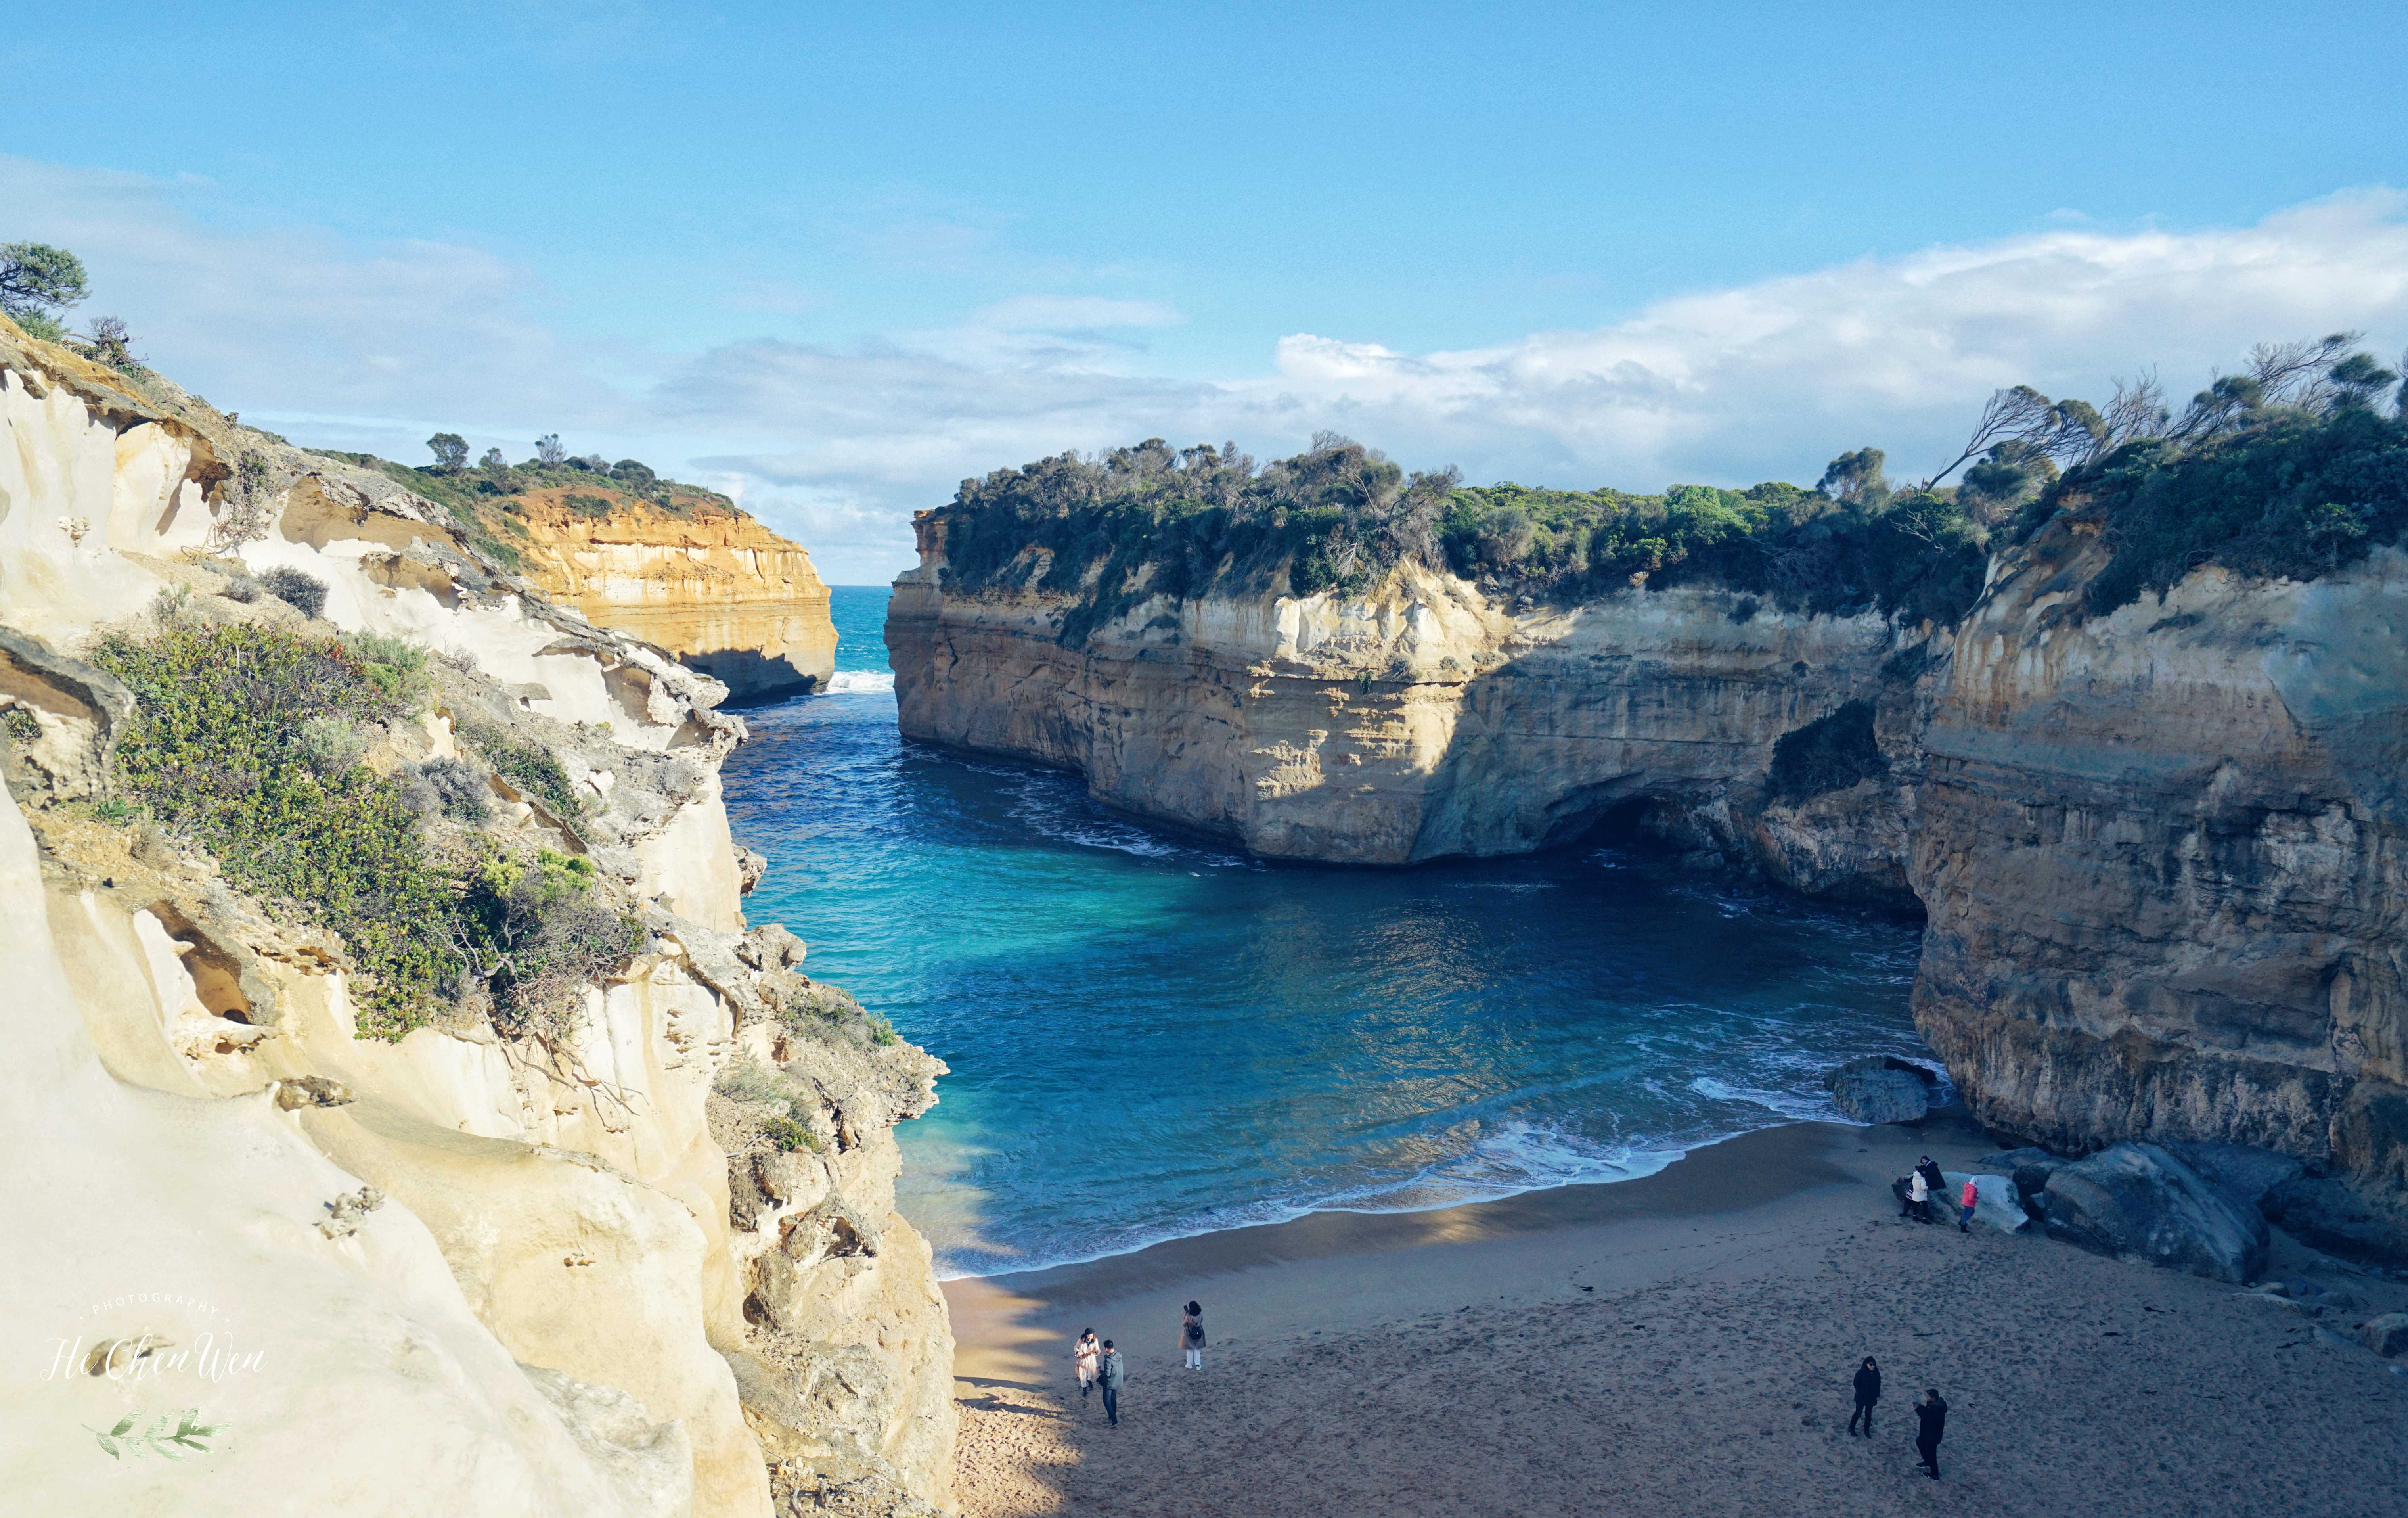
(2162, 855)
(1418, 721)
(462, 1271)
(2160, 850)
(711, 585)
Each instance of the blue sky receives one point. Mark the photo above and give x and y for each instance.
(834, 258)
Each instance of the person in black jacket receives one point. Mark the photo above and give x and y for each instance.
(1108, 1377)
(1931, 1417)
(1868, 1393)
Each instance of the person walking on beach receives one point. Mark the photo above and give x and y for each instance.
(1930, 1418)
(1934, 1181)
(1965, 1207)
(1918, 1197)
(1084, 1356)
(1108, 1376)
(1868, 1393)
(1191, 1336)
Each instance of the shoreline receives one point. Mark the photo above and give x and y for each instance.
(1675, 1344)
(1525, 1235)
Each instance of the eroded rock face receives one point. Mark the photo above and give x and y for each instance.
(485, 1277)
(721, 591)
(2161, 857)
(1418, 721)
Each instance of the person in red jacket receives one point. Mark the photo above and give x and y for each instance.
(1965, 1207)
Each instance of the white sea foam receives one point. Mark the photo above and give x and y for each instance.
(1515, 1159)
(1797, 1108)
(859, 682)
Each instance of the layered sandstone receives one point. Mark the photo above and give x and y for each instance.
(569, 1291)
(1419, 720)
(708, 582)
(2162, 853)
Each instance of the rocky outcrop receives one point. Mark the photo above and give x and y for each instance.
(1419, 720)
(1880, 1089)
(711, 585)
(544, 1309)
(2161, 855)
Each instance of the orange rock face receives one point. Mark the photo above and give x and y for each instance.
(711, 585)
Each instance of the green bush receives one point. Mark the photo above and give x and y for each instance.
(788, 1134)
(221, 748)
(2284, 492)
(536, 937)
(822, 1007)
(304, 593)
(533, 770)
(247, 739)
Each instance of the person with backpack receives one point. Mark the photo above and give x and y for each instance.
(1930, 1419)
(1108, 1376)
(1082, 1355)
(1868, 1393)
(1191, 1336)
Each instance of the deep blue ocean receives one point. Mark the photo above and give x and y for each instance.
(1153, 1037)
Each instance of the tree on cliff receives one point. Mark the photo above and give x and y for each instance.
(450, 451)
(37, 284)
(548, 451)
(1856, 478)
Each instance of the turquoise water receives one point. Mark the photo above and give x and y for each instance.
(1152, 1036)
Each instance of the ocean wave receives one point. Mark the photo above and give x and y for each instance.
(859, 682)
(1517, 1159)
(1789, 1104)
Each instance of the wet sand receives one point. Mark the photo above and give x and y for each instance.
(1676, 1344)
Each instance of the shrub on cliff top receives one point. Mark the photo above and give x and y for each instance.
(2297, 466)
(2294, 469)
(1112, 531)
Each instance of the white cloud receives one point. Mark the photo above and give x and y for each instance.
(1761, 381)
(371, 345)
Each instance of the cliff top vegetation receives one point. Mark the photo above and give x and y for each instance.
(1143, 521)
(2295, 466)
(493, 499)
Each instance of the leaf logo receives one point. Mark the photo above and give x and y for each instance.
(186, 1439)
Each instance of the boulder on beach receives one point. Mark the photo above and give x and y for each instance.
(2243, 1172)
(1996, 1201)
(1880, 1088)
(2143, 1201)
(2385, 1335)
(2336, 1215)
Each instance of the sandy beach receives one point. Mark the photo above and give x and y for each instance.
(1676, 1344)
